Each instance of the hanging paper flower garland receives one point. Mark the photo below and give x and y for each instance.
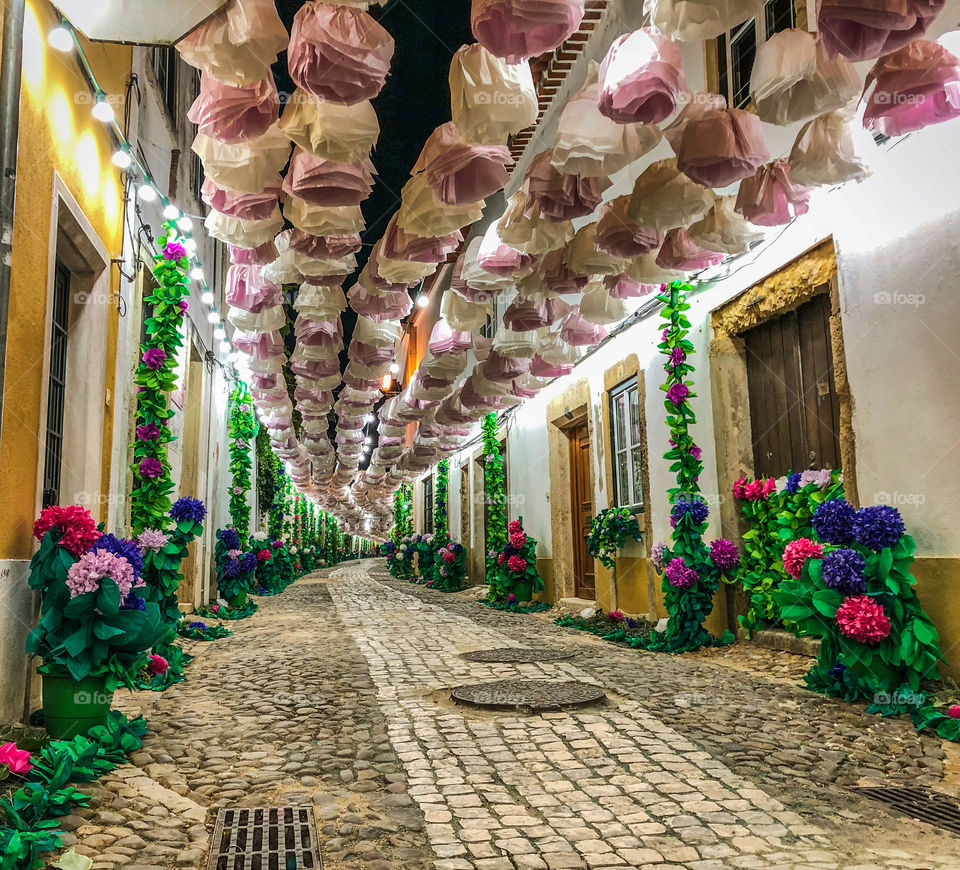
(242, 428)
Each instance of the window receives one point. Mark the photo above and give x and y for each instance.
(164, 61)
(627, 454)
(196, 164)
(737, 49)
(56, 385)
(428, 505)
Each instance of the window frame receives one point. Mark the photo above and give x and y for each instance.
(163, 59)
(631, 451)
(428, 523)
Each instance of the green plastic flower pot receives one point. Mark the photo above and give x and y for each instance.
(523, 590)
(72, 707)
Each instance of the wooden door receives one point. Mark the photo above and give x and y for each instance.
(581, 502)
(794, 408)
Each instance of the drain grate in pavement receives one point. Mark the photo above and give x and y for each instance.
(517, 655)
(536, 696)
(921, 804)
(265, 838)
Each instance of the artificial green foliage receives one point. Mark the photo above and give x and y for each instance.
(224, 612)
(235, 574)
(609, 532)
(687, 607)
(176, 659)
(517, 607)
(90, 634)
(161, 569)
(773, 521)
(494, 495)
(441, 529)
(516, 568)
(201, 631)
(423, 546)
(150, 496)
(242, 428)
(615, 627)
(275, 573)
(269, 471)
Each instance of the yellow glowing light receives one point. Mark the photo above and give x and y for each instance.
(386, 382)
(34, 50)
(60, 112)
(87, 156)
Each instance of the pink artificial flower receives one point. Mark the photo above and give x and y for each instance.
(953, 711)
(447, 556)
(174, 251)
(150, 468)
(152, 539)
(18, 760)
(863, 619)
(153, 358)
(74, 525)
(797, 552)
(753, 490)
(183, 305)
(85, 575)
(502, 558)
(157, 664)
(233, 554)
(263, 555)
(216, 607)
(617, 615)
(517, 564)
(769, 486)
(514, 527)
(518, 540)
(511, 598)
(739, 490)
(148, 432)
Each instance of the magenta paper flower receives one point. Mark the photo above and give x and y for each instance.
(157, 664)
(150, 468)
(183, 305)
(152, 539)
(753, 491)
(18, 760)
(447, 556)
(677, 393)
(148, 432)
(862, 619)
(153, 358)
(514, 527)
(174, 251)
(517, 564)
(679, 575)
(85, 575)
(677, 356)
(797, 552)
(724, 554)
(518, 540)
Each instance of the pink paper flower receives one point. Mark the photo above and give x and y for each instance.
(73, 524)
(518, 540)
(150, 468)
(753, 491)
(769, 486)
(517, 564)
(514, 527)
(18, 760)
(953, 711)
(679, 575)
(447, 556)
(797, 552)
(85, 575)
(739, 488)
(863, 619)
(152, 539)
(153, 358)
(174, 251)
(157, 664)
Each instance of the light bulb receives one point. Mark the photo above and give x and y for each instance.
(186, 224)
(369, 440)
(102, 110)
(190, 245)
(422, 301)
(171, 212)
(369, 419)
(147, 192)
(220, 333)
(61, 38)
(197, 274)
(122, 159)
(394, 368)
(213, 317)
(206, 297)
(225, 347)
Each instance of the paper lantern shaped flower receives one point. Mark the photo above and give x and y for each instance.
(337, 53)
(580, 332)
(323, 247)
(328, 182)
(861, 30)
(664, 197)
(916, 86)
(399, 245)
(831, 150)
(562, 197)
(524, 314)
(323, 220)
(247, 289)
(259, 256)
(330, 130)
(238, 44)
(583, 255)
(247, 206)
(244, 233)
(525, 227)
(645, 270)
(680, 252)
(519, 29)
(598, 306)
(716, 146)
(234, 113)
(591, 145)
(422, 214)
(696, 20)
(723, 230)
(247, 167)
(793, 79)
(641, 78)
(625, 287)
(770, 198)
(459, 172)
(619, 236)
(497, 258)
(490, 99)
(556, 277)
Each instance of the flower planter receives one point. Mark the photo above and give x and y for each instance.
(72, 707)
(238, 600)
(523, 590)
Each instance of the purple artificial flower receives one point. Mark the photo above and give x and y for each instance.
(129, 550)
(695, 452)
(174, 251)
(878, 527)
(150, 468)
(153, 358)
(677, 393)
(86, 574)
(188, 508)
(183, 305)
(793, 483)
(679, 575)
(202, 626)
(657, 552)
(133, 602)
(833, 521)
(152, 539)
(843, 570)
(148, 432)
(677, 356)
(696, 508)
(724, 554)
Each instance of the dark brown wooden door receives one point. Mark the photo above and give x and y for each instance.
(581, 497)
(794, 409)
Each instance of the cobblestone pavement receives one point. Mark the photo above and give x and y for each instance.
(336, 693)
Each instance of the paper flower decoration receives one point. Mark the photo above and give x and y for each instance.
(770, 198)
(519, 29)
(619, 236)
(245, 233)
(247, 167)
(696, 20)
(598, 306)
(459, 172)
(830, 150)
(330, 130)
(248, 206)
(680, 252)
(526, 227)
(234, 113)
(325, 182)
(562, 197)
(723, 230)
(664, 197)
(866, 30)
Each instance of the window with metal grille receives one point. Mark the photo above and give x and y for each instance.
(164, 60)
(737, 49)
(196, 164)
(56, 385)
(626, 444)
(428, 505)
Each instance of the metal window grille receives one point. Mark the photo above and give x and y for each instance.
(164, 61)
(428, 505)
(626, 443)
(56, 385)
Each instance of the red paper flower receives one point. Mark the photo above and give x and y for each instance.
(518, 539)
(73, 524)
(863, 620)
(263, 555)
(739, 488)
(517, 564)
(157, 664)
(514, 527)
(447, 556)
(797, 552)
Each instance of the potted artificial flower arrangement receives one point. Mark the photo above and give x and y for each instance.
(235, 570)
(96, 624)
(517, 572)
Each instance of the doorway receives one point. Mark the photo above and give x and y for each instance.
(581, 510)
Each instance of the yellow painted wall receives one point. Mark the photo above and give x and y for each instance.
(57, 134)
(938, 579)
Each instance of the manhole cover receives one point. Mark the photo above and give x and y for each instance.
(267, 838)
(921, 804)
(535, 695)
(517, 655)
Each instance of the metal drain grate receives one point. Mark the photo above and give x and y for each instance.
(921, 804)
(265, 838)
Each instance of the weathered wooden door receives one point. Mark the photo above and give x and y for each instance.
(794, 408)
(581, 498)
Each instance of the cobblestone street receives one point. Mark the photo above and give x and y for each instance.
(336, 694)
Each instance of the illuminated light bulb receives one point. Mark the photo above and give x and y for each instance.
(171, 212)
(213, 317)
(369, 419)
(369, 440)
(225, 347)
(122, 159)
(422, 301)
(190, 245)
(147, 192)
(394, 368)
(61, 38)
(386, 382)
(367, 449)
(103, 111)
(220, 333)
(186, 224)
(197, 274)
